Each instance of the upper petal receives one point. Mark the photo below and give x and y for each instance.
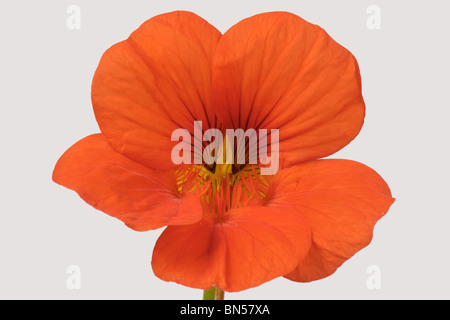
(142, 198)
(341, 201)
(156, 81)
(277, 71)
(255, 245)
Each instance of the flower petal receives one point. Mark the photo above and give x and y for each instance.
(142, 198)
(341, 201)
(277, 71)
(255, 245)
(156, 81)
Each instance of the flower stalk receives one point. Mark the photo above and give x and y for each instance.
(213, 294)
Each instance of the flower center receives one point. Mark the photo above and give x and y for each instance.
(224, 189)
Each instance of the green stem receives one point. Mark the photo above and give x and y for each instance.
(213, 294)
(209, 294)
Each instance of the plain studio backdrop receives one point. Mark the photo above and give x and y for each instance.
(48, 234)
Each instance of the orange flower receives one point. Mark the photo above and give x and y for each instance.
(228, 226)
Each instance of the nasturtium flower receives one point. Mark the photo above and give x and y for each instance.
(227, 225)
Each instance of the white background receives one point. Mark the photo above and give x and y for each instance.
(45, 76)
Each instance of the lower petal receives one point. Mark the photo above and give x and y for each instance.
(254, 245)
